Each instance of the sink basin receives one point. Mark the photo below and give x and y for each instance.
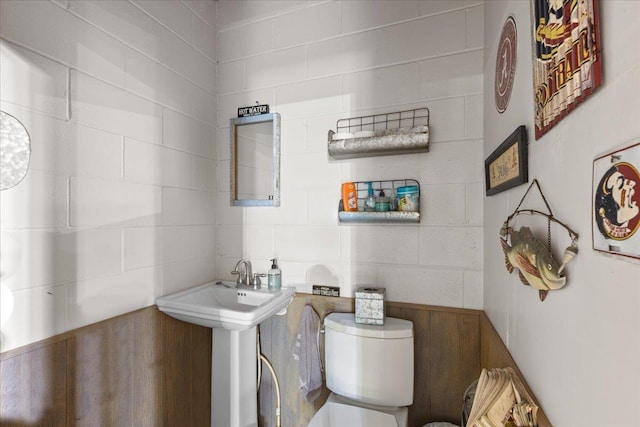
(221, 305)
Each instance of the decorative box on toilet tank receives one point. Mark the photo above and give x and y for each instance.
(370, 305)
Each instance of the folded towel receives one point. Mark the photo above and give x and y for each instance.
(306, 351)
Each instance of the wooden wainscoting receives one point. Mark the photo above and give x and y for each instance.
(145, 368)
(447, 360)
(141, 369)
(494, 354)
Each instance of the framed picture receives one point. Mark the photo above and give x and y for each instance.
(616, 201)
(567, 58)
(507, 166)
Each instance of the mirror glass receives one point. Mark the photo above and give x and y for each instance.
(255, 160)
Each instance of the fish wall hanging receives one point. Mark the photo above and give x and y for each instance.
(533, 258)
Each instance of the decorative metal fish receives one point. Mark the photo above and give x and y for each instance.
(537, 267)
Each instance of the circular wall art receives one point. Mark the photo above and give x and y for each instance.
(506, 64)
(15, 151)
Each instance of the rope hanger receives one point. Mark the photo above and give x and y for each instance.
(570, 251)
(505, 228)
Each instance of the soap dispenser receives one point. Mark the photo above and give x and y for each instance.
(274, 276)
(370, 203)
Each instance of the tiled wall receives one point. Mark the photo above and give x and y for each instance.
(316, 62)
(119, 202)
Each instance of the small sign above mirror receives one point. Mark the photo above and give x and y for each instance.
(253, 110)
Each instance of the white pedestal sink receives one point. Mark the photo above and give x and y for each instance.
(233, 314)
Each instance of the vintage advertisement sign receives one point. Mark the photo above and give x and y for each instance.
(567, 57)
(616, 201)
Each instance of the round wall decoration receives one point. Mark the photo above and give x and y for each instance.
(506, 64)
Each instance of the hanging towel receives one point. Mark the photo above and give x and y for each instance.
(306, 351)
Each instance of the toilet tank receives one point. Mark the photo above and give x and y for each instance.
(369, 363)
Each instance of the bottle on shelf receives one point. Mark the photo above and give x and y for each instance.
(370, 202)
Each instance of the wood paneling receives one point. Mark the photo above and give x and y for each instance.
(494, 354)
(200, 365)
(147, 375)
(148, 369)
(176, 390)
(142, 369)
(423, 347)
(185, 372)
(451, 347)
(33, 387)
(99, 367)
(277, 336)
(446, 360)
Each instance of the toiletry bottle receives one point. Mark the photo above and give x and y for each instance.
(370, 203)
(393, 200)
(349, 197)
(274, 276)
(382, 202)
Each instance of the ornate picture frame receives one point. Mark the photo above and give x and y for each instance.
(507, 166)
(616, 201)
(567, 58)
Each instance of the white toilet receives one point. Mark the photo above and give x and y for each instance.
(369, 369)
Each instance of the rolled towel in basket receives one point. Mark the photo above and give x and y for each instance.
(306, 351)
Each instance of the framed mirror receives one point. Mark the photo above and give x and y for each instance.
(255, 160)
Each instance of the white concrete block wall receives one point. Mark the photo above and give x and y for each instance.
(317, 62)
(118, 205)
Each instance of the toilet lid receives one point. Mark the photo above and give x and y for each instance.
(334, 414)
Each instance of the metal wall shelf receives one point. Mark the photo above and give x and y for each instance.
(380, 217)
(402, 132)
(394, 216)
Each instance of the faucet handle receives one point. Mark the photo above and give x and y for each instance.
(239, 279)
(255, 280)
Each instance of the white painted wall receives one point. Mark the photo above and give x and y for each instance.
(579, 349)
(316, 62)
(118, 206)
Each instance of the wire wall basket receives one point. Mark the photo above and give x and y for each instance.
(387, 121)
(401, 132)
(399, 210)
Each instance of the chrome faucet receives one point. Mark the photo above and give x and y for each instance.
(244, 275)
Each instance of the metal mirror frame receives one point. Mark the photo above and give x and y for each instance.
(274, 199)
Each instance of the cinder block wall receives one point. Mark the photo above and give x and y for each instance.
(118, 206)
(127, 198)
(317, 62)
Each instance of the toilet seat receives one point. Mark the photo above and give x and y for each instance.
(336, 413)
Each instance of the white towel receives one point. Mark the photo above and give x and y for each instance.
(306, 351)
